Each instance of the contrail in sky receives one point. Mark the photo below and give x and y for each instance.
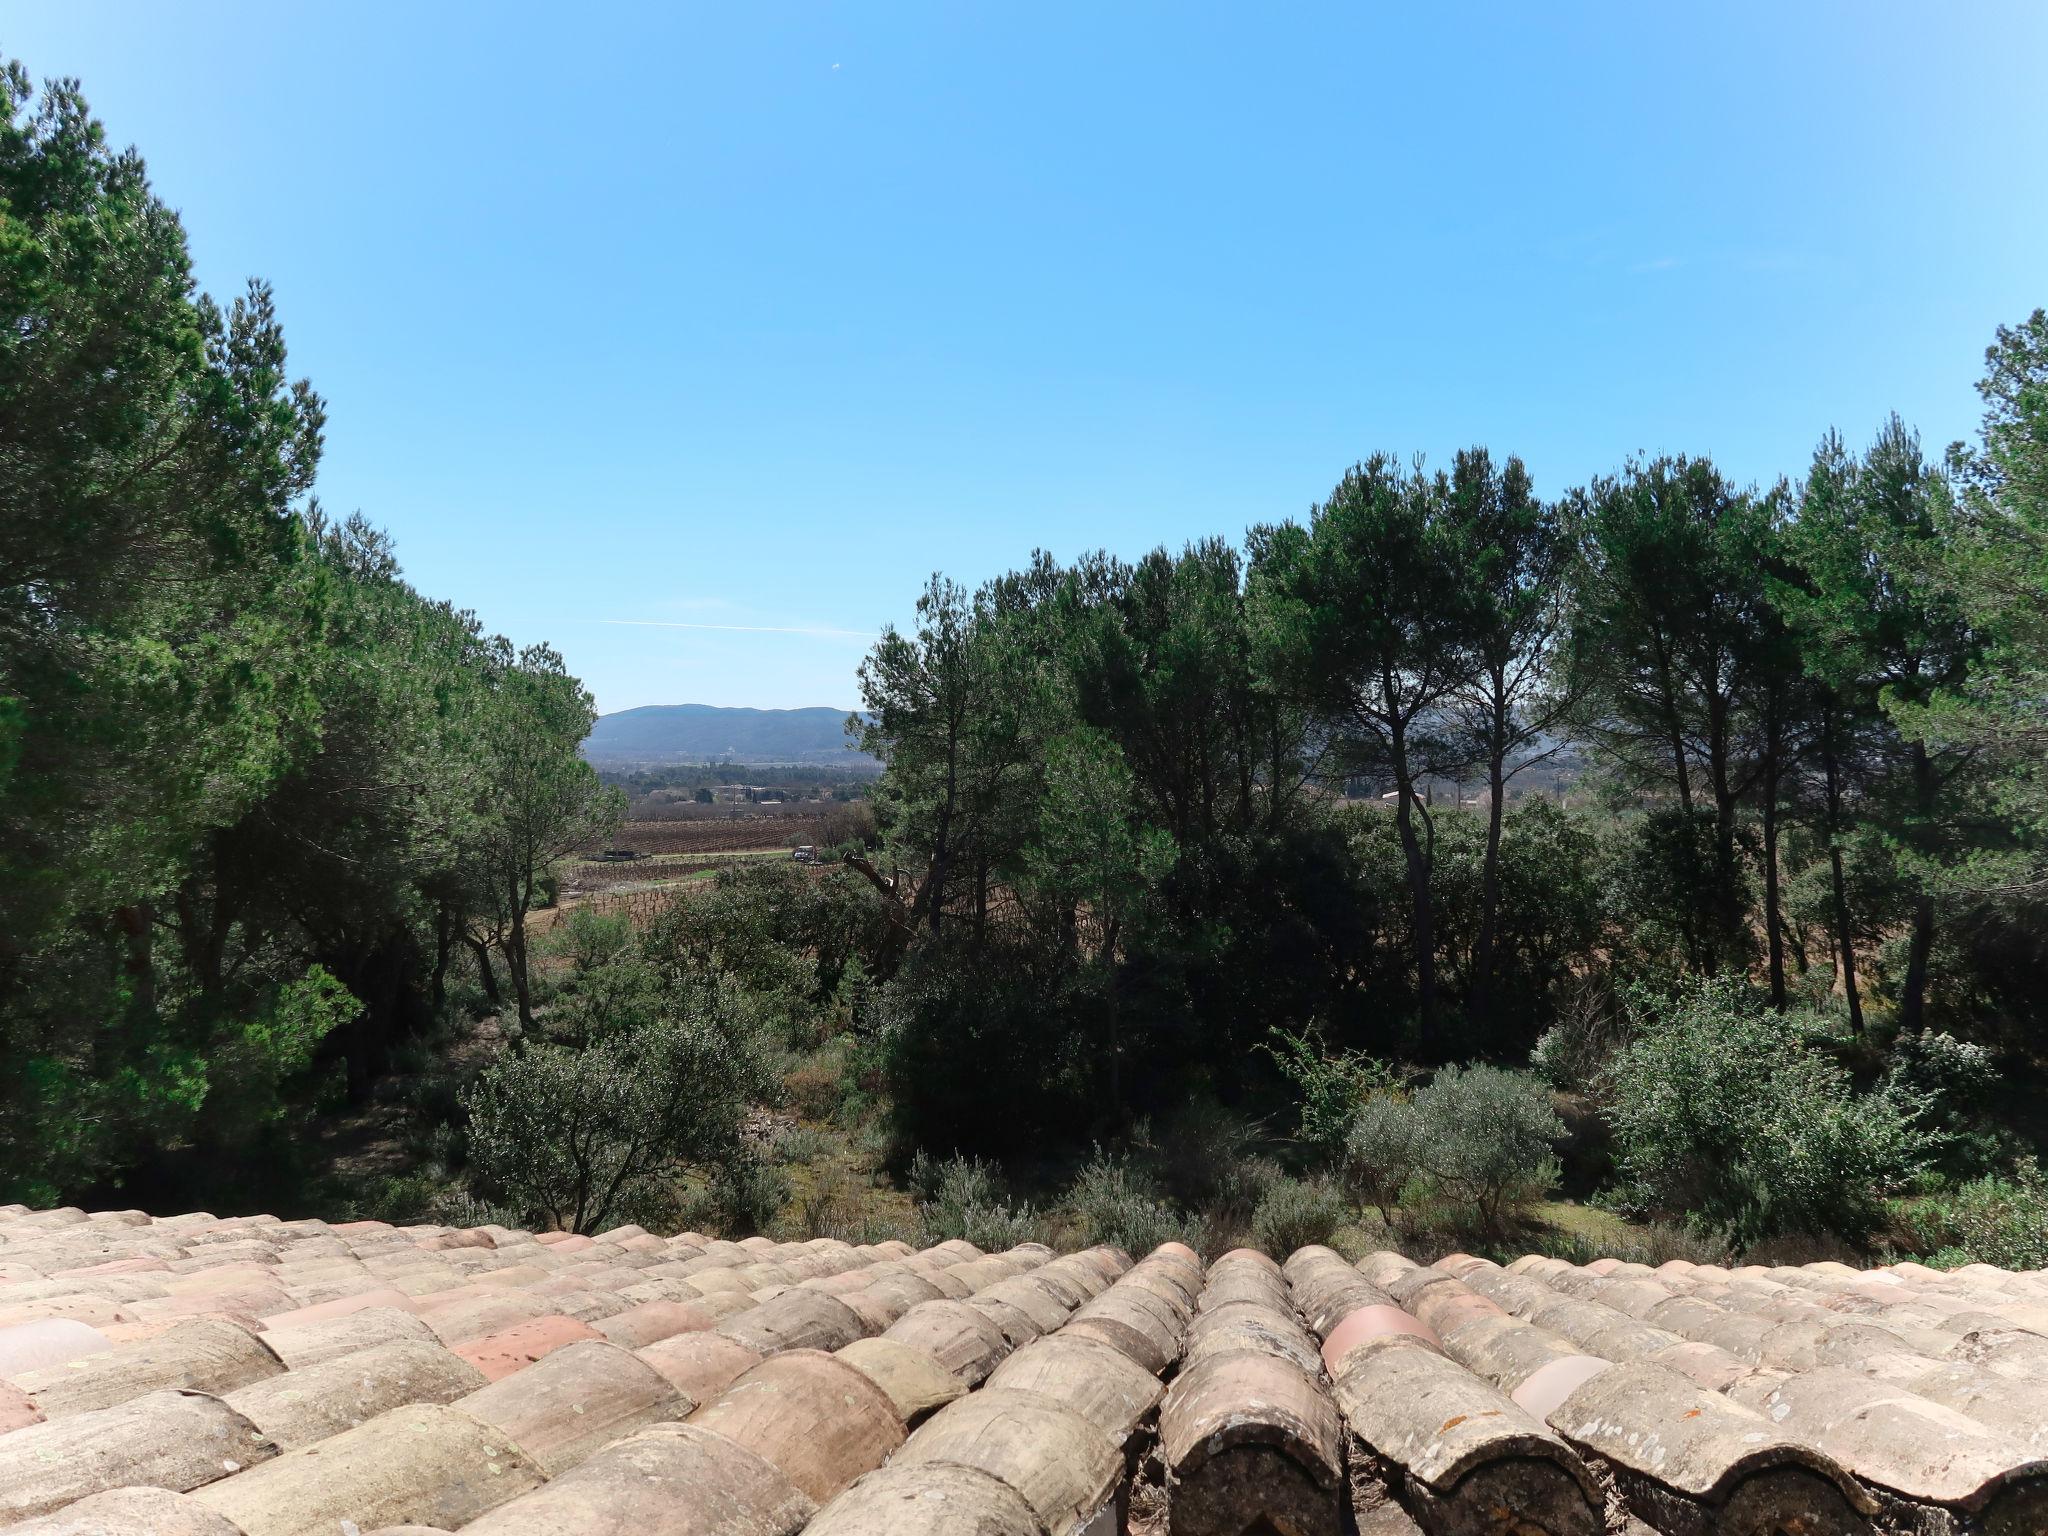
(744, 629)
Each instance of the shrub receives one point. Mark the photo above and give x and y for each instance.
(1957, 1079)
(992, 1228)
(1673, 903)
(1486, 1135)
(833, 1203)
(1653, 1244)
(1571, 1054)
(965, 1197)
(1111, 1202)
(1296, 1213)
(960, 1180)
(1383, 1152)
(1478, 1139)
(801, 1144)
(748, 1194)
(1331, 1085)
(1200, 1150)
(813, 1087)
(592, 938)
(966, 1026)
(1723, 1110)
(1991, 1220)
(1955, 1074)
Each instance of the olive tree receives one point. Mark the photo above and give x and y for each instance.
(570, 1133)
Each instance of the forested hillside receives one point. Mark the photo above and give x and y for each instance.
(1161, 924)
(704, 733)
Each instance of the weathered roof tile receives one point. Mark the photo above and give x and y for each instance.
(167, 1439)
(813, 1415)
(419, 1464)
(301, 1407)
(574, 1401)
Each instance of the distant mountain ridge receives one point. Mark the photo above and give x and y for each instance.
(710, 733)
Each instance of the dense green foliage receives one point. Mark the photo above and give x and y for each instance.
(1799, 724)
(1727, 1110)
(254, 790)
(578, 1135)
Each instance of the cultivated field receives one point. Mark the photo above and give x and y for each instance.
(721, 836)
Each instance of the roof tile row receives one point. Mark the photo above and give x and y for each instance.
(253, 1377)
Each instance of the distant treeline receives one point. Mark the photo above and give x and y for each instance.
(1818, 707)
(256, 793)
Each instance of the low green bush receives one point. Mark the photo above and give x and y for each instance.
(1475, 1145)
(1296, 1213)
(1990, 1220)
(1112, 1202)
(1383, 1152)
(566, 1134)
(801, 1144)
(748, 1194)
(964, 1197)
(1654, 1244)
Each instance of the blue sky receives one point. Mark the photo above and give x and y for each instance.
(754, 315)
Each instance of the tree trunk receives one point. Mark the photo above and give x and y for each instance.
(1418, 884)
(1845, 941)
(486, 974)
(981, 899)
(1774, 931)
(935, 886)
(444, 942)
(138, 927)
(1913, 998)
(515, 967)
(1795, 938)
(1115, 1022)
(1673, 729)
(1479, 998)
(1730, 920)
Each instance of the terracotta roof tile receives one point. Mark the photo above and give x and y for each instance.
(1062, 1466)
(418, 1464)
(1695, 1461)
(203, 1354)
(512, 1349)
(795, 1319)
(964, 1339)
(647, 1322)
(307, 1344)
(575, 1401)
(673, 1480)
(1908, 1446)
(129, 1512)
(47, 1342)
(933, 1498)
(304, 1406)
(813, 1415)
(915, 1383)
(174, 1440)
(1817, 1394)
(1103, 1385)
(699, 1365)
